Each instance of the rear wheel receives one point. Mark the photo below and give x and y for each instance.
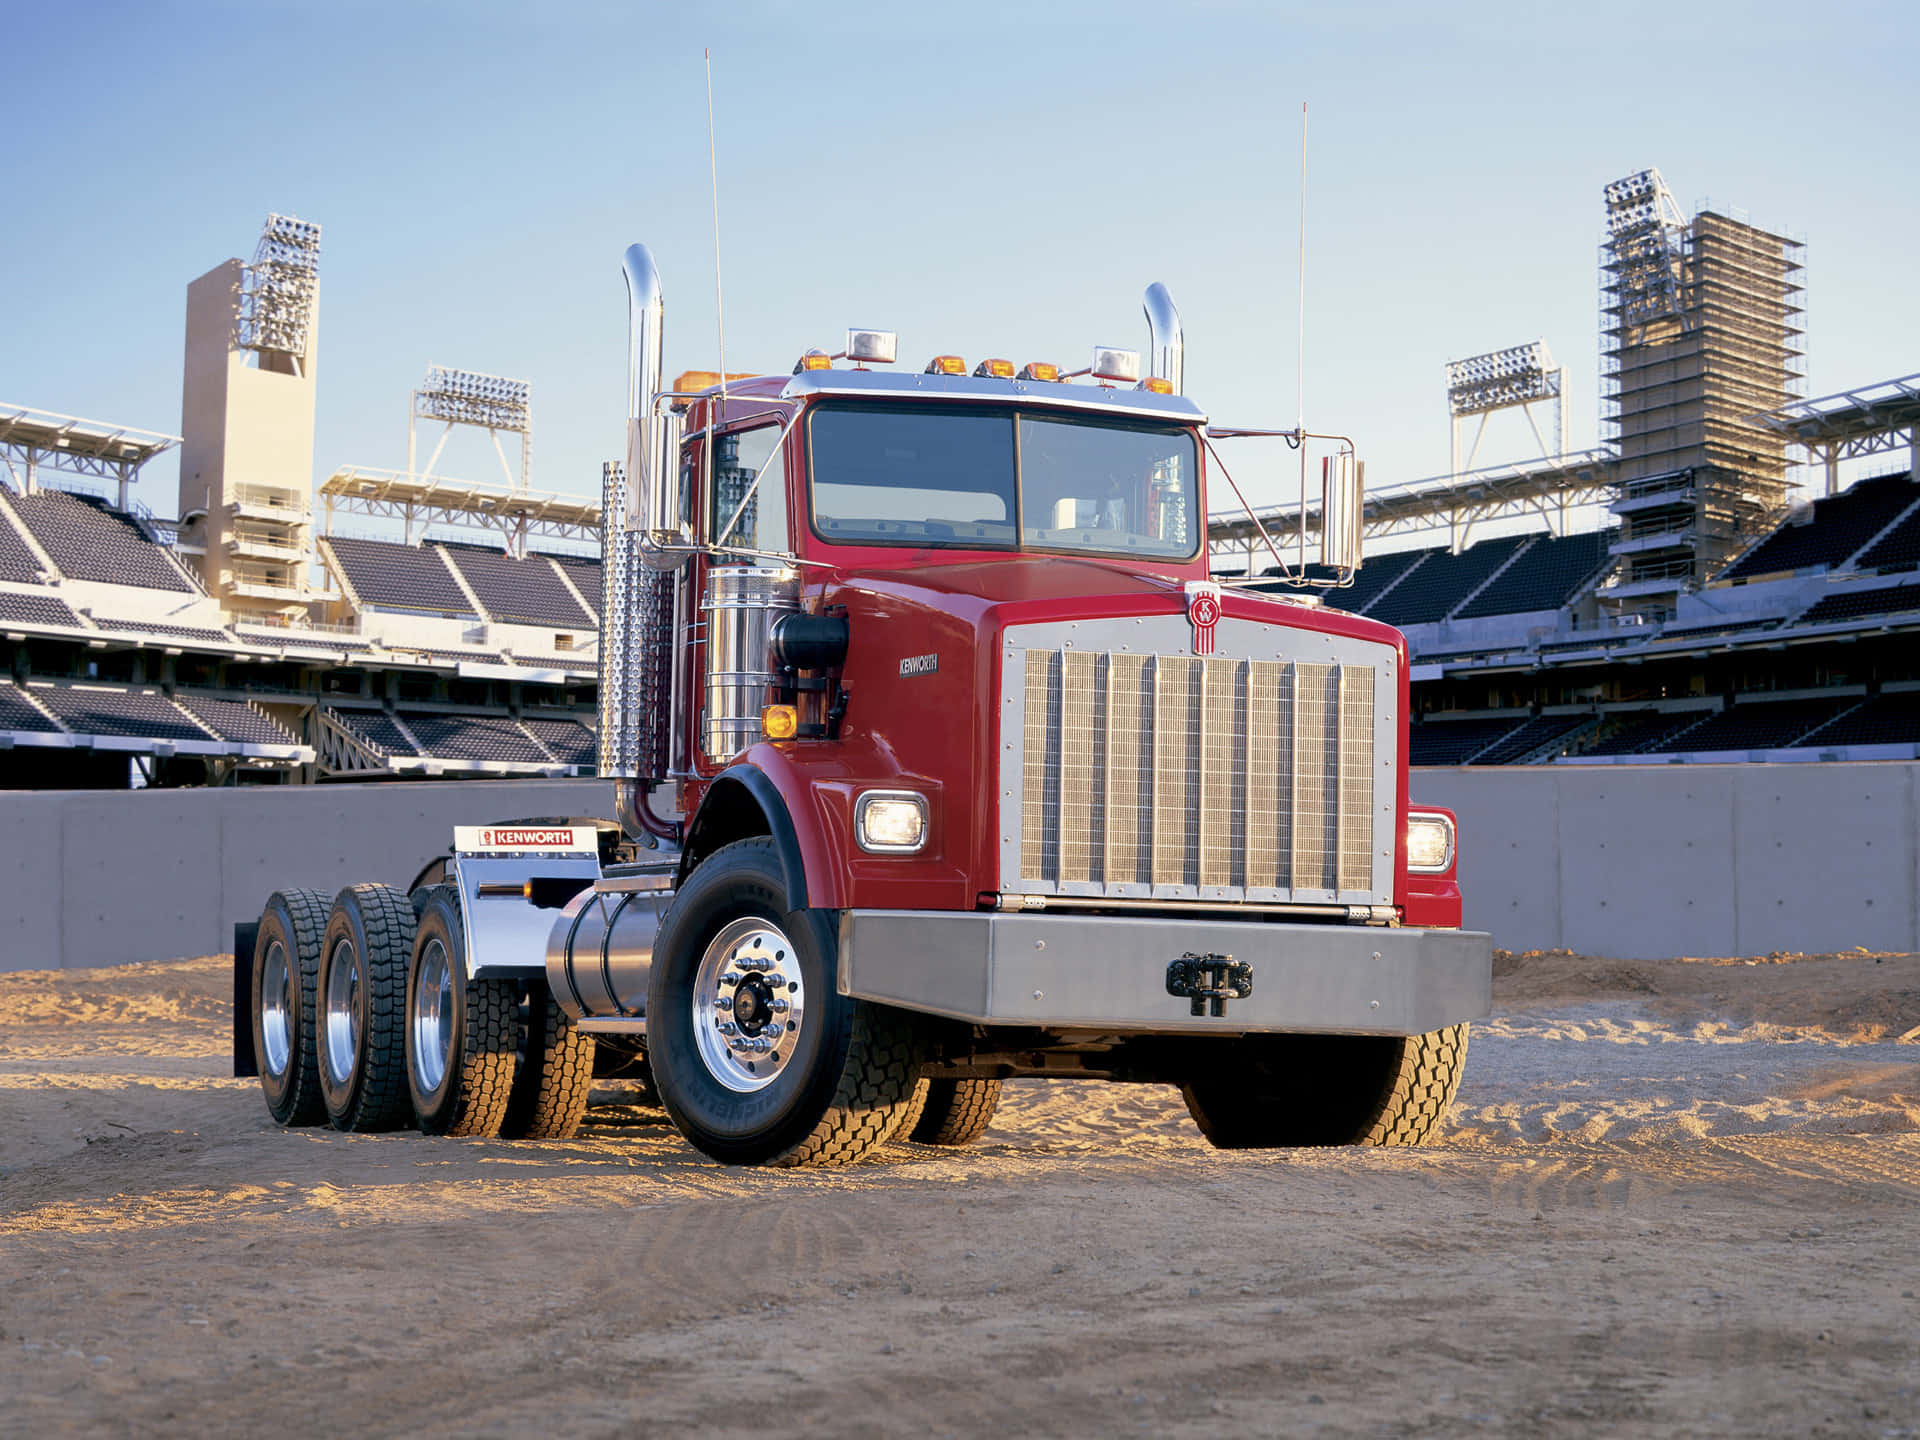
(460, 1032)
(555, 1078)
(1270, 1091)
(955, 1112)
(758, 1057)
(361, 995)
(286, 958)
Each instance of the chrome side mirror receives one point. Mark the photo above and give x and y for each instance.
(1342, 494)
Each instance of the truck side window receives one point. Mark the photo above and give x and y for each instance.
(737, 457)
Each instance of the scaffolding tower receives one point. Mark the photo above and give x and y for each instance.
(1700, 334)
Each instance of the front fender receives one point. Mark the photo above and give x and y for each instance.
(744, 801)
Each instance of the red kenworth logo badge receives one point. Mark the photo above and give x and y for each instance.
(1203, 610)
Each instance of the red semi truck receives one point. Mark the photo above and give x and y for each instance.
(938, 759)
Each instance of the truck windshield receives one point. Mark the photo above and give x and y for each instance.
(985, 477)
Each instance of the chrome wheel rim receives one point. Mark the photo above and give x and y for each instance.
(749, 1004)
(343, 1012)
(432, 1016)
(276, 1010)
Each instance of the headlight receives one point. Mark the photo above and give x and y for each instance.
(1429, 843)
(890, 822)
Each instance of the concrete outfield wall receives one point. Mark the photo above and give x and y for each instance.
(1631, 861)
(104, 877)
(1652, 861)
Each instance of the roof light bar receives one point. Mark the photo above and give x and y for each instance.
(1039, 370)
(993, 370)
(946, 365)
(1156, 385)
(813, 360)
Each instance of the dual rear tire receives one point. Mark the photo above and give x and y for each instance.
(363, 1016)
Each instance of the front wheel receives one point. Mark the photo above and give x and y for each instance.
(1272, 1091)
(757, 1056)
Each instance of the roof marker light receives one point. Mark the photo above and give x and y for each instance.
(813, 360)
(993, 370)
(1156, 384)
(946, 365)
(1040, 370)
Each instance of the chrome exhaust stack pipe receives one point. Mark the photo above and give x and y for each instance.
(1166, 349)
(636, 606)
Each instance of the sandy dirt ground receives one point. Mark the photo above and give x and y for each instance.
(1675, 1198)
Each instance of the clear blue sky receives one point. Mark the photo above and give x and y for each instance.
(987, 179)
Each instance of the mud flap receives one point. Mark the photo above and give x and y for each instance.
(246, 1064)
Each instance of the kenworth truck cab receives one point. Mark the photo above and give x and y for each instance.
(938, 758)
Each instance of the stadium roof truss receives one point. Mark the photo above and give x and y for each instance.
(1869, 420)
(1547, 489)
(32, 439)
(418, 502)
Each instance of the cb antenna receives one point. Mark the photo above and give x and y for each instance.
(719, 308)
(1300, 360)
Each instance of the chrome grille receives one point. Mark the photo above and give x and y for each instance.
(1209, 777)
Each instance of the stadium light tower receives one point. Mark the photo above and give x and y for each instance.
(1518, 377)
(467, 397)
(277, 292)
(1646, 243)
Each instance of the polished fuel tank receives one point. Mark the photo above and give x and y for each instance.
(600, 952)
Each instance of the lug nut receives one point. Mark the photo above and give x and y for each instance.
(725, 1002)
(781, 1006)
(730, 979)
(727, 1027)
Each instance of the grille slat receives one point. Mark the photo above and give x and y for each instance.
(1180, 776)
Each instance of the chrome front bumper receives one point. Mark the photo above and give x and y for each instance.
(1111, 973)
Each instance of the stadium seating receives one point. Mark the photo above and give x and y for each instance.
(237, 721)
(1644, 732)
(1898, 549)
(1701, 629)
(570, 742)
(584, 573)
(375, 728)
(177, 632)
(99, 710)
(1374, 576)
(1455, 742)
(1442, 581)
(1759, 725)
(16, 713)
(520, 592)
(1548, 575)
(474, 737)
(1535, 735)
(399, 577)
(17, 562)
(37, 610)
(90, 540)
(1884, 720)
(1841, 524)
(1853, 603)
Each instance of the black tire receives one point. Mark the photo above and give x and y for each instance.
(555, 1078)
(840, 1084)
(1272, 1091)
(286, 959)
(360, 1001)
(954, 1112)
(460, 1033)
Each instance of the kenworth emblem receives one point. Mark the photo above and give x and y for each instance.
(919, 665)
(1203, 610)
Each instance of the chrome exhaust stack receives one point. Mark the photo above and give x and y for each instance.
(637, 598)
(1166, 348)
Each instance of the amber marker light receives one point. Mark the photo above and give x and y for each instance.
(993, 370)
(1157, 385)
(1040, 370)
(813, 360)
(779, 722)
(946, 365)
